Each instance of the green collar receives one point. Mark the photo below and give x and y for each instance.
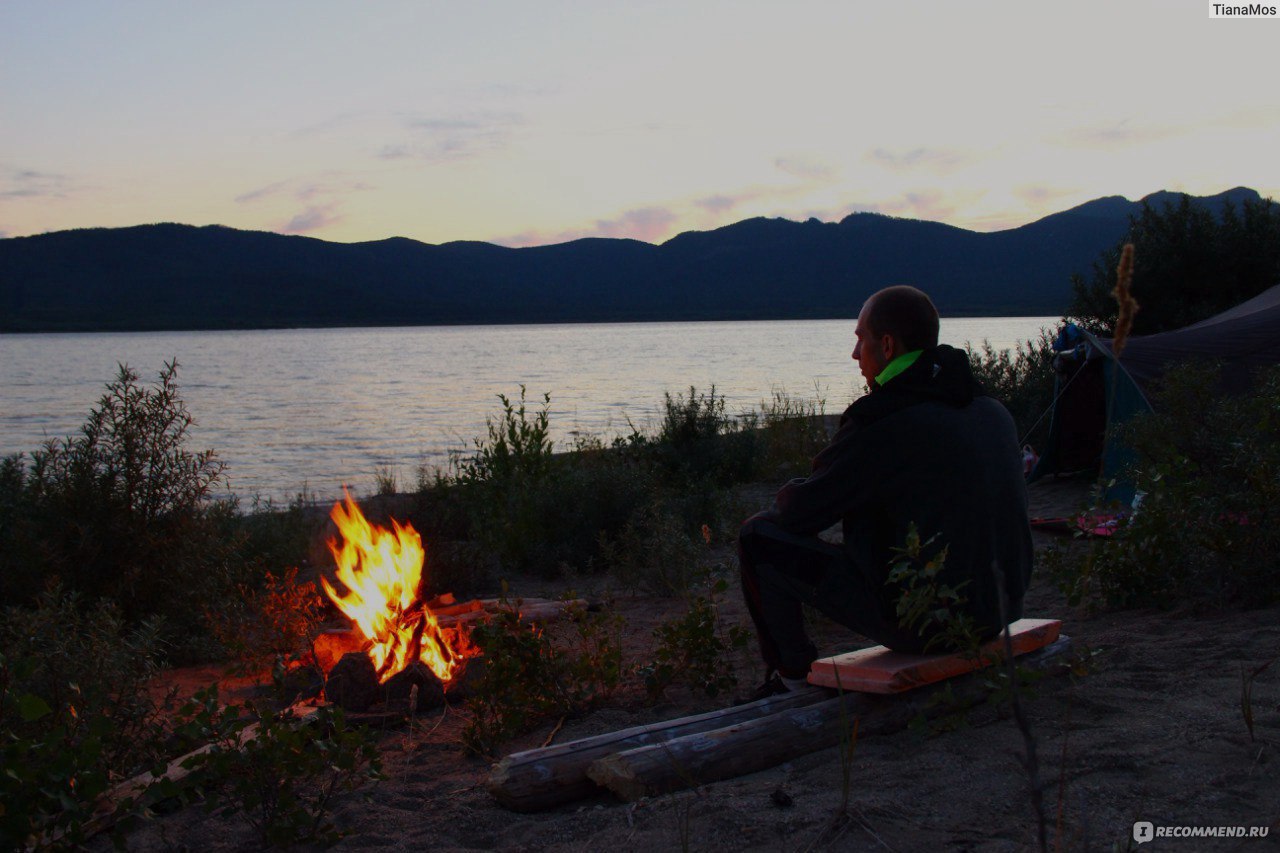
(898, 365)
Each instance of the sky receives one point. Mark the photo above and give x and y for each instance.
(528, 123)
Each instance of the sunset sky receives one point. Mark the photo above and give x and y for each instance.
(525, 123)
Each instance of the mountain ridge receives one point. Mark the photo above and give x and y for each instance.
(175, 276)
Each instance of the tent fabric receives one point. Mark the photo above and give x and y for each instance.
(1095, 392)
(1245, 338)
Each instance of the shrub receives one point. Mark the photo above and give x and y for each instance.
(275, 771)
(119, 511)
(794, 432)
(653, 553)
(698, 443)
(1206, 532)
(279, 620)
(75, 713)
(1022, 379)
(926, 606)
(522, 680)
(691, 649)
(527, 673)
(595, 659)
(502, 483)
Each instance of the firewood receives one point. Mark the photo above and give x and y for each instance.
(767, 741)
(463, 684)
(353, 683)
(332, 644)
(542, 778)
(399, 687)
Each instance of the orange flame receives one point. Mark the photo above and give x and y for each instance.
(382, 570)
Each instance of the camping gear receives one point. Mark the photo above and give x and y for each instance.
(1095, 392)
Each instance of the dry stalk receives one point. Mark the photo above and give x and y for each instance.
(554, 732)
(1124, 299)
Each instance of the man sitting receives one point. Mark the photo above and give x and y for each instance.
(925, 448)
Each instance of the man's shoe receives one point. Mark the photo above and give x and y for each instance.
(772, 686)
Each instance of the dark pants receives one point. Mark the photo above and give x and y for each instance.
(782, 571)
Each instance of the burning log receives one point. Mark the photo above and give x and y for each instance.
(767, 741)
(332, 644)
(463, 684)
(399, 691)
(353, 683)
(402, 644)
(542, 778)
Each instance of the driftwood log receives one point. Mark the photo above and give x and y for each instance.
(542, 778)
(767, 741)
(140, 794)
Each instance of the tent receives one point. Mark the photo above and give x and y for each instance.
(1095, 392)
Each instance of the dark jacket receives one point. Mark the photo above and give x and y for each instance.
(930, 448)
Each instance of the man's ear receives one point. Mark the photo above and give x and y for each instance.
(890, 348)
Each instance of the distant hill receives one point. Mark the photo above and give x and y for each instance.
(183, 277)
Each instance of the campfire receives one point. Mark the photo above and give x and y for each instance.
(382, 572)
(400, 645)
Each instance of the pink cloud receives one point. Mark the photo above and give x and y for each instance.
(722, 203)
(1120, 134)
(804, 167)
(312, 219)
(936, 160)
(650, 224)
(1038, 195)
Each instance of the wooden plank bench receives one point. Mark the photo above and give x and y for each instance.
(882, 670)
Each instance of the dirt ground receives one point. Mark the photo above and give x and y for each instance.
(1154, 732)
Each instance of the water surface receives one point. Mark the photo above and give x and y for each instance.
(312, 409)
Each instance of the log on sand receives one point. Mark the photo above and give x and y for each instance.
(139, 792)
(542, 778)
(767, 741)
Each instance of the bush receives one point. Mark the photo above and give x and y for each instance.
(1207, 530)
(522, 680)
(75, 713)
(1022, 379)
(502, 483)
(275, 771)
(691, 649)
(279, 621)
(653, 553)
(793, 432)
(119, 511)
(699, 445)
(527, 673)
(638, 502)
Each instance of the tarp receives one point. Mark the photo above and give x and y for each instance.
(1095, 393)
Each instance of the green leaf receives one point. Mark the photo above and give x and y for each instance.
(32, 707)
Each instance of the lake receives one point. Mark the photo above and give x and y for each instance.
(311, 409)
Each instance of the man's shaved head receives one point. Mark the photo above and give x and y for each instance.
(905, 313)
